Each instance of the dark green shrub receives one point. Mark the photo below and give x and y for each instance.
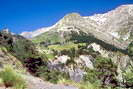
(91, 76)
(51, 75)
(23, 49)
(104, 71)
(33, 64)
(130, 49)
(128, 77)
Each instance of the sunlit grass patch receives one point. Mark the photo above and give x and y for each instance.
(81, 85)
(67, 46)
(11, 78)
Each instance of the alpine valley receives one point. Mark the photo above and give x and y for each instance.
(78, 52)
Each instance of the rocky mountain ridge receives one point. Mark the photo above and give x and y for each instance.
(114, 27)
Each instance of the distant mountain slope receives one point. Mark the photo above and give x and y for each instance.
(114, 27)
(35, 33)
(17, 45)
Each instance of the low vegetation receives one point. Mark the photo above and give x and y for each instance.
(66, 46)
(104, 73)
(51, 75)
(47, 38)
(81, 85)
(11, 78)
(128, 77)
(130, 49)
(103, 76)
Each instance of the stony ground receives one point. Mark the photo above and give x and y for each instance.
(36, 83)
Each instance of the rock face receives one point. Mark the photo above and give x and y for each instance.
(118, 58)
(57, 63)
(76, 74)
(63, 59)
(88, 61)
(114, 27)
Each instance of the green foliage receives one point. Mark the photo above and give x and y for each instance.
(70, 49)
(131, 36)
(104, 64)
(1, 82)
(91, 76)
(47, 37)
(2, 48)
(128, 76)
(12, 79)
(130, 49)
(66, 46)
(33, 64)
(24, 49)
(88, 85)
(51, 75)
(104, 68)
(81, 85)
(19, 48)
(50, 56)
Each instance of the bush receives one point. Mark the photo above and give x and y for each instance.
(11, 79)
(24, 49)
(32, 64)
(105, 71)
(128, 77)
(130, 49)
(51, 75)
(91, 76)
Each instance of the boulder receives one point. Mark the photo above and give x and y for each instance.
(76, 74)
(87, 60)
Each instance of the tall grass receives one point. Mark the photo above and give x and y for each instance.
(11, 78)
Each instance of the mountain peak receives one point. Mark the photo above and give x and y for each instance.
(71, 18)
(72, 15)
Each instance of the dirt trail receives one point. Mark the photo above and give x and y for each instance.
(36, 83)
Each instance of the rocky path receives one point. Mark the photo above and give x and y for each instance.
(36, 83)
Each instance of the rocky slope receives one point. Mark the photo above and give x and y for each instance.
(15, 51)
(77, 43)
(114, 27)
(36, 83)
